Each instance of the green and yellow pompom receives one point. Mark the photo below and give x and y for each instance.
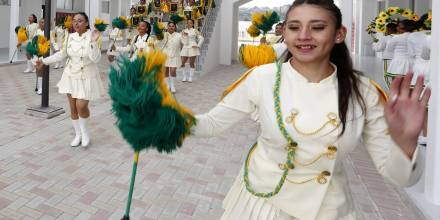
(158, 29)
(68, 22)
(39, 46)
(100, 25)
(148, 115)
(265, 21)
(176, 18)
(120, 22)
(253, 31)
(252, 56)
(21, 34)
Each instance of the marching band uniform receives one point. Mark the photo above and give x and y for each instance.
(316, 187)
(172, 50)
(416, 42)
(138, 43)
(80, 77)
(380, 46)
(57, 39)
(31, 30)
(193, 38)
(401, 63)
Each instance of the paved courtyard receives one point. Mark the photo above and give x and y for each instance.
(42, 177)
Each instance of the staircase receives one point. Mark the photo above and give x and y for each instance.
(207, 29)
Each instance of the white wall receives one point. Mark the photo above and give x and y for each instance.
(212, 57)
(4, 26)
(422, 6)
(366, 11)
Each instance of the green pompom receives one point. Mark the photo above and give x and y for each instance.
(32, 47)
(101, 27)
(176, 18)
(137, 103)
(268, 22)
(119, 23)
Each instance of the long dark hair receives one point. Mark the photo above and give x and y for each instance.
(34, 17)
(420, 24)
(85, 17)
(348, 77)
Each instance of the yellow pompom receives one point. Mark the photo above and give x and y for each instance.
(165, 8)
(253, 31)
(99, 21)
(257, 18)
(251, 55)
(21, 35)
(68, 22)
(43, 45)
(161, 25)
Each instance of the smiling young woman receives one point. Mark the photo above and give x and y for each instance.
(80, 80)
(313, 110)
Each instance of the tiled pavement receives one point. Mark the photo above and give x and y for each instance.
(41, 177)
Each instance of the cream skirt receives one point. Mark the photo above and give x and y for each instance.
(173, 62)
(190, 52)
(89, 88)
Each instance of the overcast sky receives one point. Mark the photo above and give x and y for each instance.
(267, 3)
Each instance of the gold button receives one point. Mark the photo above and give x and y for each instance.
(332, 149)
(326, 173)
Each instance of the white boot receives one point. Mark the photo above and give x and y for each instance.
(173, 90)
(185, 73)
(77, 139)
(28, 67)
(85, 139)
(191, 74)
(39, 85)
(32, 67)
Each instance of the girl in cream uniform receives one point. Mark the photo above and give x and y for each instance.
(80, 81)
(402, 62)
(57, 39)
(294, 170)
(172, 50)
(31, 30)
(139, 43)
(417, 41)
(39, 32)
(192, 41)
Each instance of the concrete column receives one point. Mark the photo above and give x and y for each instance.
(14, 14)
(432, 170)
(347, 20)
(226, 17)
(93, 9)
(366, 11)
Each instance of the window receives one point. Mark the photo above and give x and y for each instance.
(105, 7)
(65, 4)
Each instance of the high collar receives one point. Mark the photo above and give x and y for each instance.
(291, 71)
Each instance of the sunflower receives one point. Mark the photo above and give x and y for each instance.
(415, 17)
(383, 15)
(392, 10)
(407, 13)
(381, 29)
(380, 21)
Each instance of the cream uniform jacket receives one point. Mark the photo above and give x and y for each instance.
(172, 47)
(137, 44)
(83, 56)
(313, 104)
(192, 38)
(31, 30)
(57, 37)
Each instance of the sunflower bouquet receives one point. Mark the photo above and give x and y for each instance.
(389, 15)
